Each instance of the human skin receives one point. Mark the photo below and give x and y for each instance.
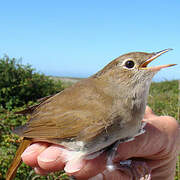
(158, 147)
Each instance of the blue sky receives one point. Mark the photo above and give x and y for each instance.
(78, 37)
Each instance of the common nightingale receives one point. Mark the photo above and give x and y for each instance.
(95, 112)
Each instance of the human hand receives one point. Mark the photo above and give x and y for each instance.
(159, 148)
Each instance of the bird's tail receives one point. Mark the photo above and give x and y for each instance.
(17, 159)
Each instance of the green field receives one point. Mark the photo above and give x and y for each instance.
(163, 99)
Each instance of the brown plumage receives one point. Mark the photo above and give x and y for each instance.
(95, 112)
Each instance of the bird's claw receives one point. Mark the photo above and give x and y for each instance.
(138, 170)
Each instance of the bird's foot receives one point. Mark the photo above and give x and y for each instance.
(137, 170)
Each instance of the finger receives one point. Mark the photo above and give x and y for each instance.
(148, 113)
(163, 163)
(40, 171)
(84, 169)
(111, 175)
(94, 169)
(53, 158)
(74, 165)
(31, 153)
(89, 169)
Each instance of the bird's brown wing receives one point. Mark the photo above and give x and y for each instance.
(80, 112)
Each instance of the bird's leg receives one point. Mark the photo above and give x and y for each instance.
(112, 150)
(94, 155)
(137, 169)
(111, 153)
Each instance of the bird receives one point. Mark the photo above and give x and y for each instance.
(100, 111)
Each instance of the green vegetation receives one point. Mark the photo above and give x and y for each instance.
(21, 86)
(163, 98)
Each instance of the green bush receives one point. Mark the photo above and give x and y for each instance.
(20, 84)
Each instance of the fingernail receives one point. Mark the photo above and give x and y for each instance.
(28, 150)
(46, 159)
(37, 147)
(74, 166)
(48, 156)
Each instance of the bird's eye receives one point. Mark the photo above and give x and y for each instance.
(129, 64)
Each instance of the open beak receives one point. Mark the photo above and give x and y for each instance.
(156, 68)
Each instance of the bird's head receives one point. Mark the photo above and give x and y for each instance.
(131, 68)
